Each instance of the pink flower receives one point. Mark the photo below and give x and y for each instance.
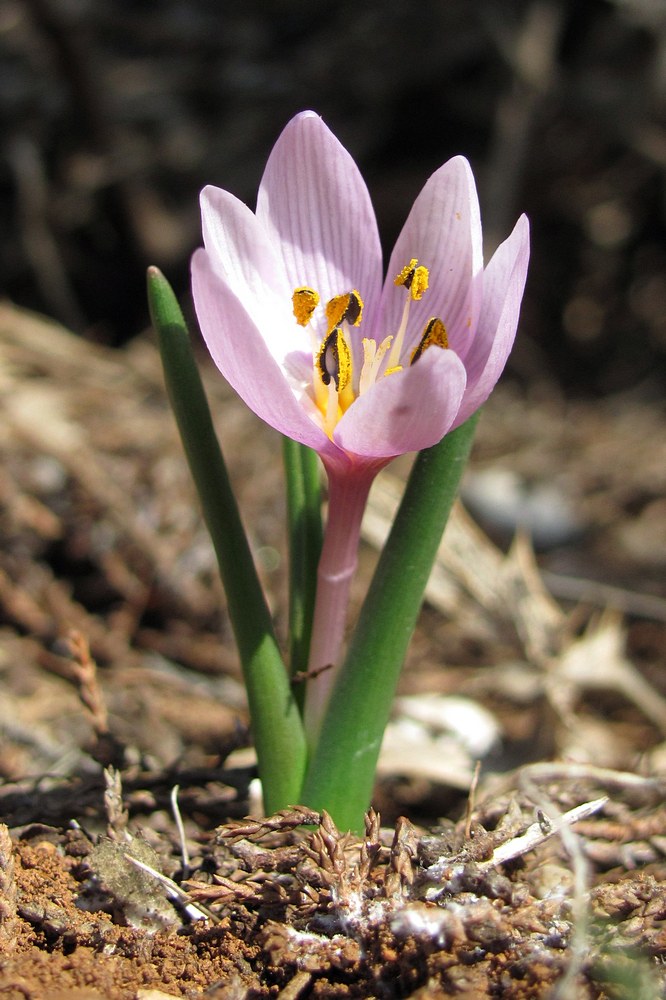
(356, 388)
(295, 312)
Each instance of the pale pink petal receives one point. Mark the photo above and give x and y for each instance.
(250, 264)
(239, 350)
(316, 207)
(406, 411)
(503, 285)
(443, 231)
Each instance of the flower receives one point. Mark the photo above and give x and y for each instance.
(295, 312)
(293, 307)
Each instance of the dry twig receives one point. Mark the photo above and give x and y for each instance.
(85, 674)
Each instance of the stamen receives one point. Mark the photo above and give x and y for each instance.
(347, 308)
(414, 277)
(334, 360)
(434, 334)
(304, 300)
(334, 365)
(396, 349)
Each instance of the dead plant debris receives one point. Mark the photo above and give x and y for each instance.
(394, 913)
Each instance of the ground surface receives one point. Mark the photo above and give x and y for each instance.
(116, 653)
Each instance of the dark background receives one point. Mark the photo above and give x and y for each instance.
(115, 114)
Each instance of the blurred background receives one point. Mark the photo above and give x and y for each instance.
(116, 112)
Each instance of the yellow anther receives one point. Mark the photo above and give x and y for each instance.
(434, 334)
(334, 360)
(407, 273)
(392, 371)
(419, 282)
(414, 277)
(304, 300)
(335, 310)
(347, 308)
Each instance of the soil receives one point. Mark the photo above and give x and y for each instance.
(120, 684)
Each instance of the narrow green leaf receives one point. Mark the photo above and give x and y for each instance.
(341, 773)
(276, 722)
(303, 478)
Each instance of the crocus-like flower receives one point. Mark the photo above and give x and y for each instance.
(297, 316)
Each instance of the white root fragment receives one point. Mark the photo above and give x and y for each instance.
(536, 834)
(539, 832)
(174, 891)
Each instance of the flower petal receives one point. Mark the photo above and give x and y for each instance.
(240, 352)
(443, 231)
(242, 253)
(405, 411)
(316, 207)
(503, 286)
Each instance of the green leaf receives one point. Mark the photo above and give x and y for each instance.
(276, 722)
(341, 773)
(303, 478)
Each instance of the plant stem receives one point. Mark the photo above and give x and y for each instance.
(347, 496)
